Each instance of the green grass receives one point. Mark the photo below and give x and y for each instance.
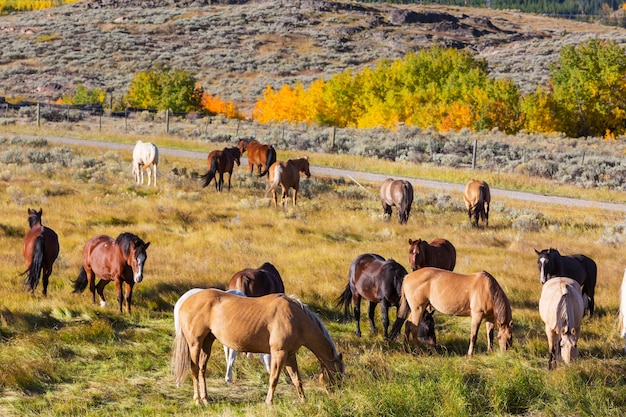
(61, 355)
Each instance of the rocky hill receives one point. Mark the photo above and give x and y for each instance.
(237, 49)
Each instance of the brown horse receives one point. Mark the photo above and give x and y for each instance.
(257, 282)
(220, 163)
(260, 155)
(287, 175)
(439, 253)
(276, 324)
(476, 295)
(121, 260)
(397, 193)
(477, 198)
(41, 248)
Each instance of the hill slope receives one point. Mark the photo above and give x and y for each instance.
(237, 50)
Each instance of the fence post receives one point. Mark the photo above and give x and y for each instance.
(100, 121)
(38, 115)
(237, 131)
(126, 119)
(67, 115)
(332, 138)
(167, 121)
(474, 153)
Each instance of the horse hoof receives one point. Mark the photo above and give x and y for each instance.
(103, 303)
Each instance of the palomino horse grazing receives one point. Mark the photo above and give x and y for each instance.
(257, 282)
(397, 193)
(476, 295)
(145, 158)
(378, 281)
(276, 324)
(439, 253)
(578, 267)
(260, 155)
(121, 260)
(477, 198)
(561, 308)
(41, 248)
(220, 163)
(287, 175)
(622, 309)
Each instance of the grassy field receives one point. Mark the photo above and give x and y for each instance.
(62, 355)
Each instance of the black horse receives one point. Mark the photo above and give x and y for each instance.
(577, 267)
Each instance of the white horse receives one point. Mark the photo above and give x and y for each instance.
(622, 308)
(231, 354)
(145, 158)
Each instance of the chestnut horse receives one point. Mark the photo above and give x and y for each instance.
(287, 175)
(257, 282)
(220, 163)
(439, 253)
(477, 198)
(121, 260)
(276, 324)
(476, 295)
(41, 248)
(397, 193)
(260, 155)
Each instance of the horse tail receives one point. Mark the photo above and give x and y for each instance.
(181, 358)
(344, 300)
(403, 312)
(208, 177)
(589, 286)
(269, 160)
(81, 282)
(407, 201)
(275, 182)
(34, 272)
(564, 309)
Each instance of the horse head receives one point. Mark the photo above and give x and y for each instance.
(415, 253)
(505, 335)
(333, 371)
(304, 168)
(568, 345)
(34, 217)
(134, 250)
(242, 145)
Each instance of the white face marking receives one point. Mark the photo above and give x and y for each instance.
(542, 272)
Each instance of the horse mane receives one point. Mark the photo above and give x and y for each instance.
(501, 305)
(399, 272)
(124, 240)
(314, 317)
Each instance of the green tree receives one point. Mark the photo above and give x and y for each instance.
(84, 95)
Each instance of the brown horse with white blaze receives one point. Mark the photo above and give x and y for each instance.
(287, 175)
(477, 198)
(41, 249)
(260, 155)
(276, 324)
(439, 253)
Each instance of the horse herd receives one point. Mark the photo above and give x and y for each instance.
(256, 316)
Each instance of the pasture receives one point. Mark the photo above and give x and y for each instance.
(63, 355)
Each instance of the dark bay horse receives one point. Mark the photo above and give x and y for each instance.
(476, 295)
(287, 175)
(121, 260)
(41, 248)
(276, 324)
(477, 198)
(259, 155)
(221, 163)
(439, 253)
(397, 193)
(377, 280)
(578, 267)
(257, 282)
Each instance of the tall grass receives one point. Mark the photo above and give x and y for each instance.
(62, 355)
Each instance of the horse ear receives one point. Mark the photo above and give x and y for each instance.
(410, 241)
(40, 212)
(146, 245)
(536, 251)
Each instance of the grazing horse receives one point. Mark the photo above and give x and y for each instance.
(439, 253)
(397, 193)
(561, 308)
(622, 309)
(41, 248)
(121, 260)
(257, 282)
(260, 155)
(477, 198)
(476, 295)
(220, 163)
(145, 158)
(579, 267)
(287, 175)
(276, 324)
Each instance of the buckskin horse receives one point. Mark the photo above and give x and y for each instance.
(41, 248)
(439, 253)
(477, 198)
(221, 163)
(397, 193)
(287, 175)
(276, 324)
(260, 155)
(121, 260)
(476, 295)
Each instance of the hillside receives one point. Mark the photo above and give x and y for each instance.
(237, 50)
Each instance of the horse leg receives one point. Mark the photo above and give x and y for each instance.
(411, 327)
(231, 355)
(279, 358)
(386, 209)
(229, 177)
(356, 300)
(295, 195)
(266, 359)
(551, 348)
(384, 310)
(370, 313)
(120, 295)
(476, 319)
(489, 327)
(292, 368)
(200, 354)
(47, 270)
(128, 295)
(283, 196)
